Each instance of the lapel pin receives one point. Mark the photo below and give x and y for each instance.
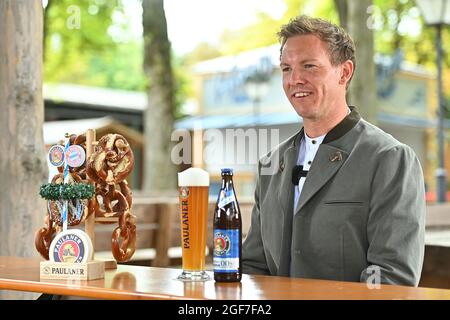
(337, 156)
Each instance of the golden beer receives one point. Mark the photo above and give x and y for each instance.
(193, 186)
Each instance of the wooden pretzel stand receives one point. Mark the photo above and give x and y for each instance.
(123, 239)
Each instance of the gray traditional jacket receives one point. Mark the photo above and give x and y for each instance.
(361, 213)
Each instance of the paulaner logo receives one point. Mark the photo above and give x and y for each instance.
(222, 243)
(185, 223)
(184, 192)
(68, 271)
(69, 248)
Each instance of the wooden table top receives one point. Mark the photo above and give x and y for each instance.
(136, 282)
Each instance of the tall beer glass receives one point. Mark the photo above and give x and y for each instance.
(193, 186)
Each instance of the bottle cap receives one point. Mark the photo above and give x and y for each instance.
(227, 171)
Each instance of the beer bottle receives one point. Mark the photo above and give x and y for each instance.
(227, 233)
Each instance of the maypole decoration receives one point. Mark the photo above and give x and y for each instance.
(90, 187)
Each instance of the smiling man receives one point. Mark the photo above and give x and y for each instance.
(348, 200)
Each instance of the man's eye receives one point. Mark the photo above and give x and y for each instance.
(309, 66)
(285, 69)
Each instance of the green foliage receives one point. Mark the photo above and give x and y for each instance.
(102, 52)
(87, 42)
(263, 32)
(120, 68)
(183, 86)
(203, 51)
(399, 25)
(66, 191)
(324, 9)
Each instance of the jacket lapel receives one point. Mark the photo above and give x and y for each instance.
(326, 164)
(286, 188)
(286, 199)
(328, 160)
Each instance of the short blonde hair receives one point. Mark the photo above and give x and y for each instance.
(340, 45)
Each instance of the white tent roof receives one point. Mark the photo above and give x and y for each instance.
(54, 131)
(111, 98)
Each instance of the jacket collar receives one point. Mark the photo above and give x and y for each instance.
(347, 124)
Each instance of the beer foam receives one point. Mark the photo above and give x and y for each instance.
(195, 177)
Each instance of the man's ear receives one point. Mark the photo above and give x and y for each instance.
(346, 72)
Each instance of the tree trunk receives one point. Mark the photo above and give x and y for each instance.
(23, 167)
(159, 171)
(363, 87)
(342, 9)
(362, 90)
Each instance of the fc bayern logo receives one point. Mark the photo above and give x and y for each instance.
(222, 244)
(75, 156)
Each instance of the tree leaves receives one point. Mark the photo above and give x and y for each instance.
(101, 52)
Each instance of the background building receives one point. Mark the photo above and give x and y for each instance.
(244, 92)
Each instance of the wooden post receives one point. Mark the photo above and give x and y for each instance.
(166, 213)
(89, 225)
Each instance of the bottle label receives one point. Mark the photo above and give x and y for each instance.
(226, 197)
(226, 250)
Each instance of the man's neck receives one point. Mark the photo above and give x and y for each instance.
(316, 128)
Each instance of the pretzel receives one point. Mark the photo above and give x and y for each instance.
(124, 237)
(109, 195)
(55, 206)
(108, 167)
(112, 160)
(43, 238)
(73, 178)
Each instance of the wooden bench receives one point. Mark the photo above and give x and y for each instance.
(154, 231)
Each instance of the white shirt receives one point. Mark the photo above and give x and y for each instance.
(307, 152)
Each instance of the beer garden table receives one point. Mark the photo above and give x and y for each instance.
(137, 282)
